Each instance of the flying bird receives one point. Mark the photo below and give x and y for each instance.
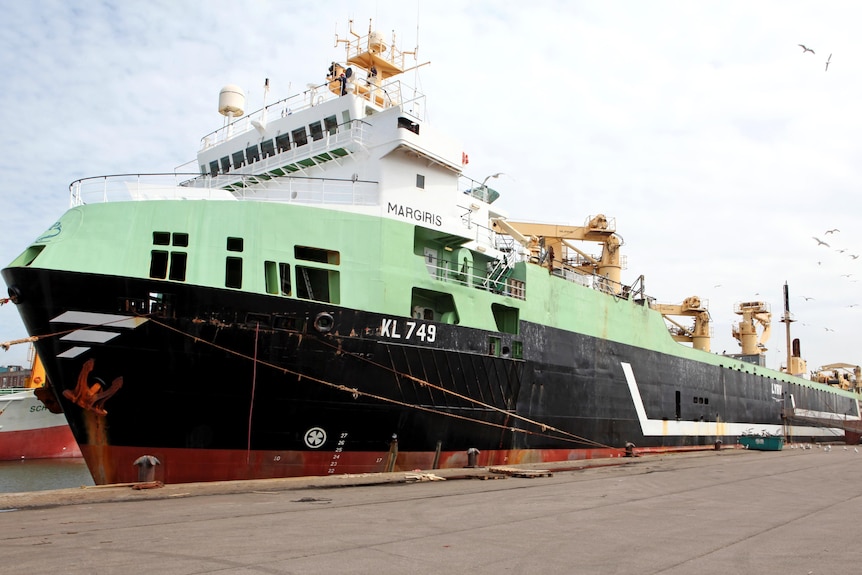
(820, 242)
(854, 256)
(827, 63)
(832, 231)
(806, 298)
(804, 49)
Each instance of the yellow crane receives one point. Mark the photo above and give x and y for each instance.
(550, 245)
(752, 312)
(698, 335)
(843, 375)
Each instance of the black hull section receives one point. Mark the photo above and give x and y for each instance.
(207, 372)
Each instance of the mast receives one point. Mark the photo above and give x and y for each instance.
(786, 320)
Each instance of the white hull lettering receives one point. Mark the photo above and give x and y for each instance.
(420, 216)
(410, 330)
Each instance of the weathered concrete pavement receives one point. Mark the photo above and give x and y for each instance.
(734, 511)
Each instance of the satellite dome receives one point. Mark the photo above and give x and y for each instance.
(231, 101)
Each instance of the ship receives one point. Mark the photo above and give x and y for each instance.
(28, 427)
(325, 290)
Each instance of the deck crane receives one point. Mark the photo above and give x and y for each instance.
(550, 245)
(699, 334)
(752, 312)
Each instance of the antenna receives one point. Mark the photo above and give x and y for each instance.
(265, 92)
(786, 320)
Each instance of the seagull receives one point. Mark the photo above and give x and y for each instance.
(846, 275)
(820, 242)
(841, 251)
(804, 49)
(827, 329)
(827, 62)
(832, 231)
(806, 298)
(854, 256)
(497, 175)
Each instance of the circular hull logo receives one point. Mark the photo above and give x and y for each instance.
(315, 437)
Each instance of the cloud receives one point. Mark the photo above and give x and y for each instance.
(718, 146)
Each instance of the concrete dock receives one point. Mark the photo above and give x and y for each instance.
(733, 511)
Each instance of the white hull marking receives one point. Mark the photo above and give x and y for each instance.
(667, 427)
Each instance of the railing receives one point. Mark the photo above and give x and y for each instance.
(393, 94)
(348, 137)
(255, 181)
(466, 274)
(248, 187)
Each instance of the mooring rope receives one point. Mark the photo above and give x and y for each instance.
(355, 392)
(545, 428)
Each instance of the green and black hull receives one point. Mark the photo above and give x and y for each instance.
(219, 384)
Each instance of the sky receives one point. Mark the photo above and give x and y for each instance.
(719, 146)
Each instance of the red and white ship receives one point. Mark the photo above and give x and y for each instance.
(28, 428)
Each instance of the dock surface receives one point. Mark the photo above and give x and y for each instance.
(733, 511)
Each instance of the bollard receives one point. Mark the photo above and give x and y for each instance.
(472, 457)
(718, 445)
(630, 449)
(147, 468)
(393, 453)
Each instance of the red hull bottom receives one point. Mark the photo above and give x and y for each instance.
(44, 443)
(109, 465)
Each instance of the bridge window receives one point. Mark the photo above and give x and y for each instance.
(252, 153)
(316, 131)
(267, 148)
(300, 137)
(331, 125)
(282, 142)
(238, 160)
